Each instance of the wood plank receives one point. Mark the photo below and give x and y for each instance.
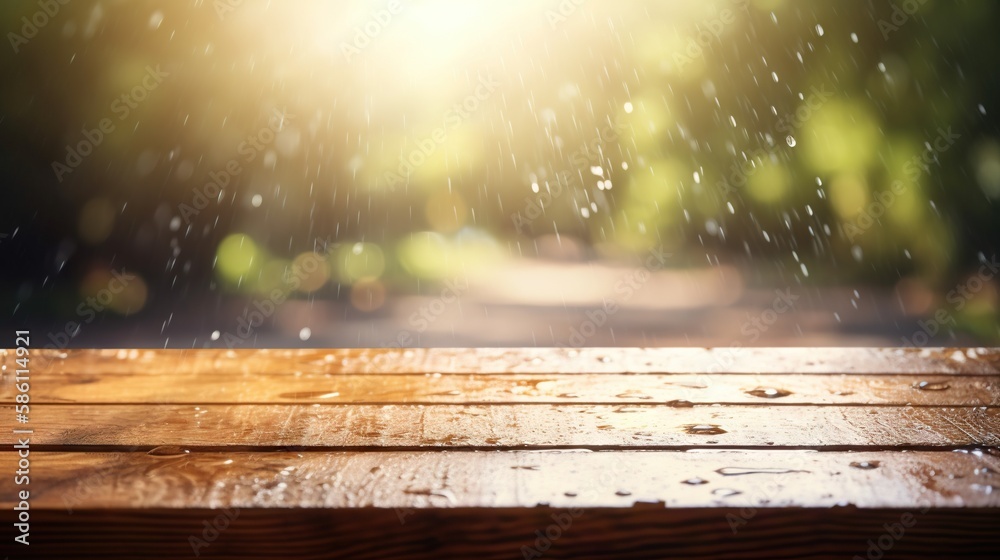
(512, 426)
(943, 361)
(526, 479)
(504, 533)
(489, 505)
(780, 389)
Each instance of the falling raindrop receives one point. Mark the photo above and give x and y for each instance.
(155, 20)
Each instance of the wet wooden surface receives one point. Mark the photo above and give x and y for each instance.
(450, 453)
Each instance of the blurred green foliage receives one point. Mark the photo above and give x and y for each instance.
(800, 140)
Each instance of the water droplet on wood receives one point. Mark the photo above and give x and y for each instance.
(933, 386)
(704, 429)
(696, 481)
(739, 471)
(168, 451)
(769, 393)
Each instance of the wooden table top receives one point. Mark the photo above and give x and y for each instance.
(507, 453)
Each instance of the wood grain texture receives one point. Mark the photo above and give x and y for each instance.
(506, 427)
(939, 361)
(763, 389)
(560, 479)
(645, 532)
